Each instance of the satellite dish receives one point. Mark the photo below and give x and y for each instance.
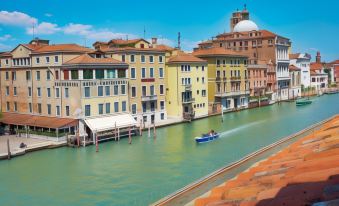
(78, 113)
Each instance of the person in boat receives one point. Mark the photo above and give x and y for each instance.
(211, 132)
(23, 145)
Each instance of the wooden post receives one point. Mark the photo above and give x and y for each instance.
(140, 129)
(149, 131)
(129, 135)
(8, 150)
(222, 113)
(115, 131)
(154, 133)
(96, 142)
(78, 136)
(118, 134)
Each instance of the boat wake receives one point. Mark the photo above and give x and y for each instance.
(226, 133)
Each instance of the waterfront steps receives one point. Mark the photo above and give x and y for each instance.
(304, 173)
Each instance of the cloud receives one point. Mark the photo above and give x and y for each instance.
(48, 14)
(89, 32)
(44, 28)
(16, 18)
(5, 37)
(168, 42)
(188, 45)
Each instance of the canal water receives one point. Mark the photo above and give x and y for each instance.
(150, 168)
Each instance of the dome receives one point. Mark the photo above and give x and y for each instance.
(245, 25)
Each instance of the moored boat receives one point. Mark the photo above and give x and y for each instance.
(207, 138)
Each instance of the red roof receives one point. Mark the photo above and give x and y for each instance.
(183, 57)
(38, 121)
(216, 51)
(304, 173)
(87, 59)
(294, 56)
(62, 48)
(293, 68)
(316, 66)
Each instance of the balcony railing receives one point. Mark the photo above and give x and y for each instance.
(149, 98)
(233, 93)
(147, 79)
(188, 100)
(218, 79)
(187, 87)
(235, 78)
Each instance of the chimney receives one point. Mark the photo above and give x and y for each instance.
(318, 57)
(154, 41)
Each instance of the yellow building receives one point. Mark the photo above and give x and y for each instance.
(146, 76)
(227, 78)
(187, 90)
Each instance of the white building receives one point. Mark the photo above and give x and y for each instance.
(282, 64)
(295, 84)
(319, 79)
(302, 61)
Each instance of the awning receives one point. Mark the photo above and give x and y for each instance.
(37, 121)
(106, 123)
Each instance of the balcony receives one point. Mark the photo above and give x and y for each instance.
(233, 93)
(147, 79)
(218, 79)
(187, 87)
(149, 98)
(233, 79)
(188, 100)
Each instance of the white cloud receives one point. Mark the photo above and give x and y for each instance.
(5, 37)
(16, 18)
(48, 14)
(168, 42)
(82, 29)
(188, 45)
(44, 28)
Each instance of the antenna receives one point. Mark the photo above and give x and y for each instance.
(127, 37)
(179, 40)
(33, 30)
(144, 32)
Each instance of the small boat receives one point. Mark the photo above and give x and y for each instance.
(207, 138)
(331, 92)
(302, 102)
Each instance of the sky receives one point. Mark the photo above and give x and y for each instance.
(310, 25)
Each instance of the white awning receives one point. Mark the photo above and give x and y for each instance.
(106, 123)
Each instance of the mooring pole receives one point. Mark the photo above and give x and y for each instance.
(140, 129)
(96, 143)
(8, 150)
(149, 131)
(129, 135)
(118, 134)
(78, 137)
(154, 133)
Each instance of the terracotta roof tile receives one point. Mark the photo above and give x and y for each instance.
(217, 51)
(304, 173)
(293, 68)
(61, 48)
(87, 59)
(294, 56)
(183, 57)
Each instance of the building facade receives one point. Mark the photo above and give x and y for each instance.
(295, 85)
(187, 87)
(302, 61)
(227, 78)
(146, 76)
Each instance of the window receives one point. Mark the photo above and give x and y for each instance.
(123, 106)
(56, 59)
(123, 89)
(107, 90)
(39, 91)
(144, 107)
(49, 109)
(132, 58)
(162, 116)
(151, 72)
(66, 74)
(116, 90)
(88, 74)
(74, 74)
(151, 89)
(13, 76)
(47, 60)
(161, 59)
(7, 90)
(8, 106)
(29, 91)
(162, 105)
(66, 92)
(14, 91)
(143, 72)
(56, 74)
(161, 72)
(203, 80)
(57, 110)
(39, 108)
(30, 107)
(38, 75)
(101, 108)
(7, 75)
(161, 89)
(87, 92)
(133, 73)
(28, 75)
(99, 74)
(57, 92)
(87, 110)
(203, 93)
(151, 59)
(144, 91)
(123, 58)
(197, 92)
(111, 74)
(133, 92)
(7, 61)
(15, 106)
(100, 91)
(48, 92)
(116, 106)
(108, 108)
(142, 58)
(67, 111)
(152, 107)
(121, 73)
(48, 75)
(134, 108)
(37, 60)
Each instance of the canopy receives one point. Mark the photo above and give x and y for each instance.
(106, 123)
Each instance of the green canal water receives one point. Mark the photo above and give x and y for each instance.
(149, 169)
